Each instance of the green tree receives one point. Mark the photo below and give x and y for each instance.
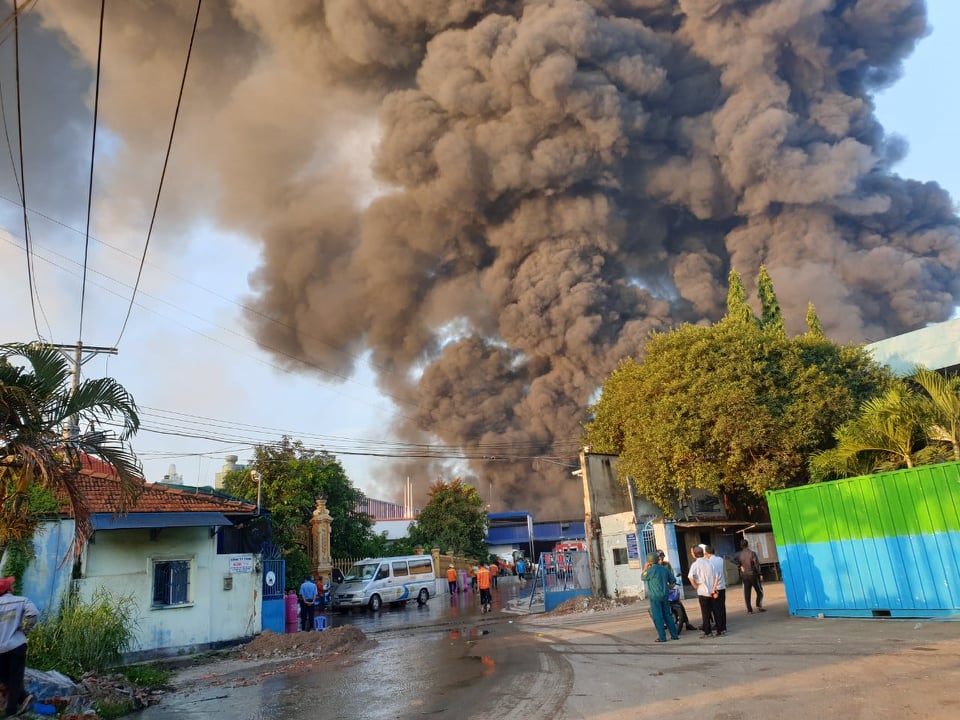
(944, 394)
(888, 434)
(291, 478)
(814, 326)
(738, 309)
(729, 408)
(771, 317)
(36, 403)
(453, 519)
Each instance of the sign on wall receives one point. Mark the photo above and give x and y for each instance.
(241, 564)
(763, 545)
(633, 551)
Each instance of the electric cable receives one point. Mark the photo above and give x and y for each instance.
(23, 182)
(93, 155)
(163, 173)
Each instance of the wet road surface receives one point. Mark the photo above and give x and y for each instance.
(440, 659)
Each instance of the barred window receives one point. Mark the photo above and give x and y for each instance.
(171, 583)
(620, 556)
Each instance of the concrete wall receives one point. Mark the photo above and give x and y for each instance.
(621, 580)
(122, 562)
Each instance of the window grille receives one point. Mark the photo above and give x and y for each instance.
(171, 583)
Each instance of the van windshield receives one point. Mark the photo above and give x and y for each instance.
(361, 572)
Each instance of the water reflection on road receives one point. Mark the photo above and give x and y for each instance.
(440, 609)
(428, 660)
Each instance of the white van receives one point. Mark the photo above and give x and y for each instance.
(375, 581)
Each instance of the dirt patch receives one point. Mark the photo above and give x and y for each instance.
(316, 644)
(586, 604)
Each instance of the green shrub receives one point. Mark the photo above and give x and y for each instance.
(84, 636)
(147, 676)
(112, 711)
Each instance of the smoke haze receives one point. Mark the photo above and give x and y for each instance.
(500, 200)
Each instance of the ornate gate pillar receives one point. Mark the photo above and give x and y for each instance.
(320, 535)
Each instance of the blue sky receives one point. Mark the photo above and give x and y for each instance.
(186, 351)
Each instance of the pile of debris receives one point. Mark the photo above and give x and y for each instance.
(586, 603)
(335, 641)
(75, 700)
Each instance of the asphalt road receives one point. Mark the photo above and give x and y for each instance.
(606, 666)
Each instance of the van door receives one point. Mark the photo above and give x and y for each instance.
(400, 578)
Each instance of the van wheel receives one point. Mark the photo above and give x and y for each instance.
(375, 603)
(423, 596)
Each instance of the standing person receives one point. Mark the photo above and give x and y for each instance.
(720, 602)
(308, 599)
(749, 564)
(521, 567)
(483, 582)
(674, 597)
(17, 617)
(494, 573)
(452, 579)
(659, 581)
(704, 578)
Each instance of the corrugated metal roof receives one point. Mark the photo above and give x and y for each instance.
(108, 521)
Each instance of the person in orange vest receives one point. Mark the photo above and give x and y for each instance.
(494, 573)
(452, 579)
(483, 582)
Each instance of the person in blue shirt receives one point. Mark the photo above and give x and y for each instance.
(308, 603)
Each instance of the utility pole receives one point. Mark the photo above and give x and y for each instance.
(78, 355)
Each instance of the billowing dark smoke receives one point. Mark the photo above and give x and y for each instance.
(555, 179)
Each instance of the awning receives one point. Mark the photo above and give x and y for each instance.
(684, 524)
(108, 521)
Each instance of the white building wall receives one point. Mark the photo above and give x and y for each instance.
(122, 562)
(621, 580)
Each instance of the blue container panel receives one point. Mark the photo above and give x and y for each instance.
(906, 576)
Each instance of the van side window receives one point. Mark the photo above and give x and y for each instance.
(421, 566)
(383, 573)
(400, 569)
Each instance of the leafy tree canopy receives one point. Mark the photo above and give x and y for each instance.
(36, 403)
(453, 520)
(735, 408)
(292, 477)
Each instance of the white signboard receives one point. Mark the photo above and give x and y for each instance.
(241, 564)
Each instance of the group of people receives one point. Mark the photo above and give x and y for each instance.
(482, 577)
(707, 576)
(312, 597)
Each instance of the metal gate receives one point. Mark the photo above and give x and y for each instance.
(649, 541)
(274, 582)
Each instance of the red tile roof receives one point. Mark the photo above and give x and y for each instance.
(98, 482)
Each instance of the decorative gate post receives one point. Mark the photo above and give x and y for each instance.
(320, 527)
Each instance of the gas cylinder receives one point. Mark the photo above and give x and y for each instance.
(292, 624)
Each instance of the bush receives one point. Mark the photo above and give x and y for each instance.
(84, 637)
(147, 676)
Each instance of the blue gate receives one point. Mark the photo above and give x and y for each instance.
(274, 581)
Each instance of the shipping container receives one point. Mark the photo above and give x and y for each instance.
(884, 545)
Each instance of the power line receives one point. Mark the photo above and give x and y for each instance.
(163, 173)
(93, 155)
(220, 296)
(186, 327)
(23, 182)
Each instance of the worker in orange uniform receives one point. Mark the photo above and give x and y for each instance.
(452, 579)
(494, 573)
(483, 582)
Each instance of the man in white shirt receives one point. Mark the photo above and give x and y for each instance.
(704, 578)
(720, 602)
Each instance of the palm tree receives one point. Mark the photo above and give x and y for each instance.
(36, 403)
(887, 435)
(945, 402)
